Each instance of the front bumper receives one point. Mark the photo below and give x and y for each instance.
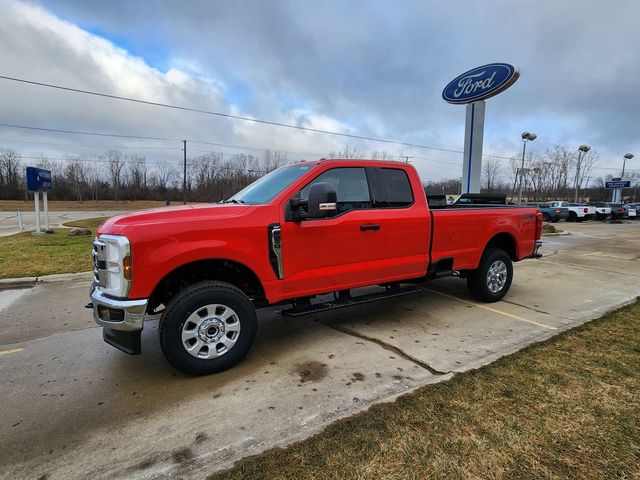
(121, 315)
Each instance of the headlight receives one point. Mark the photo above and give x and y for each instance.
(112, 264)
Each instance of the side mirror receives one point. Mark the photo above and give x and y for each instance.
(322, 200)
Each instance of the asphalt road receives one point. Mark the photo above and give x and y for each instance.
(9, 220)
(74, 407)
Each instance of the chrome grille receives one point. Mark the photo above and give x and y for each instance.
(99, 254)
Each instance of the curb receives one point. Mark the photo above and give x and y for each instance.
(25, 282)
(555, 234)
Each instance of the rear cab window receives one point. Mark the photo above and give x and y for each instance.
(392, 188)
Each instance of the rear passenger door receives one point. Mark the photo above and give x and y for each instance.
(402, 216)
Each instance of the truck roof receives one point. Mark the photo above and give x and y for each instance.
(363, 162)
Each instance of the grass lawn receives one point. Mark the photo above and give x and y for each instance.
(568, 408)
(25, 255)
(91, 223)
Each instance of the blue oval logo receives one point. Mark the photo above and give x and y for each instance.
(480, 83)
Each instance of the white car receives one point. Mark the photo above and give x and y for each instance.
(631, 210)
(577, 211)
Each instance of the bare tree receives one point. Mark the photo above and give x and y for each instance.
(10, 168)
(382, 155)
(115, 164)
(583, 164)
(76, 175)
(491, 173)
(272, 159)
(137, 175)
(165, 173)
(349, 152)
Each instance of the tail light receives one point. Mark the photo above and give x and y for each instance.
(586, 210)
(558, 211)
(538, 226)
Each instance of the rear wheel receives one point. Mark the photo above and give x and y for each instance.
(492, 279)
(208, 327)
(573, 217)
(546, 217)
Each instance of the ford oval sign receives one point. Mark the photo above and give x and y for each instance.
(480, 83)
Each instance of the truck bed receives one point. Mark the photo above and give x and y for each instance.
(460, 232)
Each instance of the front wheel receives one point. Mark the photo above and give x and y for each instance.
(492, 279)
(208, 327)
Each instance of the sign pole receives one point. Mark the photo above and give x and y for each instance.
(36, 197)
(45, 202)
(473, 136)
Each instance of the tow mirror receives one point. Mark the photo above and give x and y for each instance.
(322, 200)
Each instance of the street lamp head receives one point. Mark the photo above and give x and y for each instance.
(525, 135)
(584, 148)
(628, 156)
(532, 137)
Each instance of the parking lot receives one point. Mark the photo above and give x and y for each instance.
(74, 407)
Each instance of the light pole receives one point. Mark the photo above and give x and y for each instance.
(581, 149)
(618, 192)
(526, 137)
(627, 156)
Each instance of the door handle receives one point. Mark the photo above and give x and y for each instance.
(369, 226)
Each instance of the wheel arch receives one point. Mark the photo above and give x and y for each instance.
(504, 241)
(219, 269)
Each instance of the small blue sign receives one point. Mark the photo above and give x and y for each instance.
(480, 83)
(38, 179)
(618, 184)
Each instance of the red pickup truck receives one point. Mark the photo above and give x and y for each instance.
(304, 230)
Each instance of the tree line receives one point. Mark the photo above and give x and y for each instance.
(117, 176)
(113, 175)
(556, 174)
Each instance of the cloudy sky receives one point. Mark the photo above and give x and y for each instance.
(372, 68)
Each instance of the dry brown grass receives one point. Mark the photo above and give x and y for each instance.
(565, 409)
(107, 205)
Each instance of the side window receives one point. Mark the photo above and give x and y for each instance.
(350, 184)
(395, 187)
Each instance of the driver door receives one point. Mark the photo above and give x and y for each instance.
(340, 251)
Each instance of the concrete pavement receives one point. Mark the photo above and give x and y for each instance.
(74, 407)
(9, 221)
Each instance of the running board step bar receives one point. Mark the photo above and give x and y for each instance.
(307, 308)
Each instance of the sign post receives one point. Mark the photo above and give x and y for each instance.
(617, 184)
(39, 180)
(472, 88)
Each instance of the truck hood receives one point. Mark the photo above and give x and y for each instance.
(206, 211)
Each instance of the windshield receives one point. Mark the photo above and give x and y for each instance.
(266, 188)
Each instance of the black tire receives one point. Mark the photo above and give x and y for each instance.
(555, 220)
(189, 301)
(573, 217)
(546, 217)
(477, 281)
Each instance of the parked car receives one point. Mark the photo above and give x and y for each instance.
(589, 210)
(603, 211)
(632, 210)
(303, 230)
(549, 213)
(618, 212)
(577, 211)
